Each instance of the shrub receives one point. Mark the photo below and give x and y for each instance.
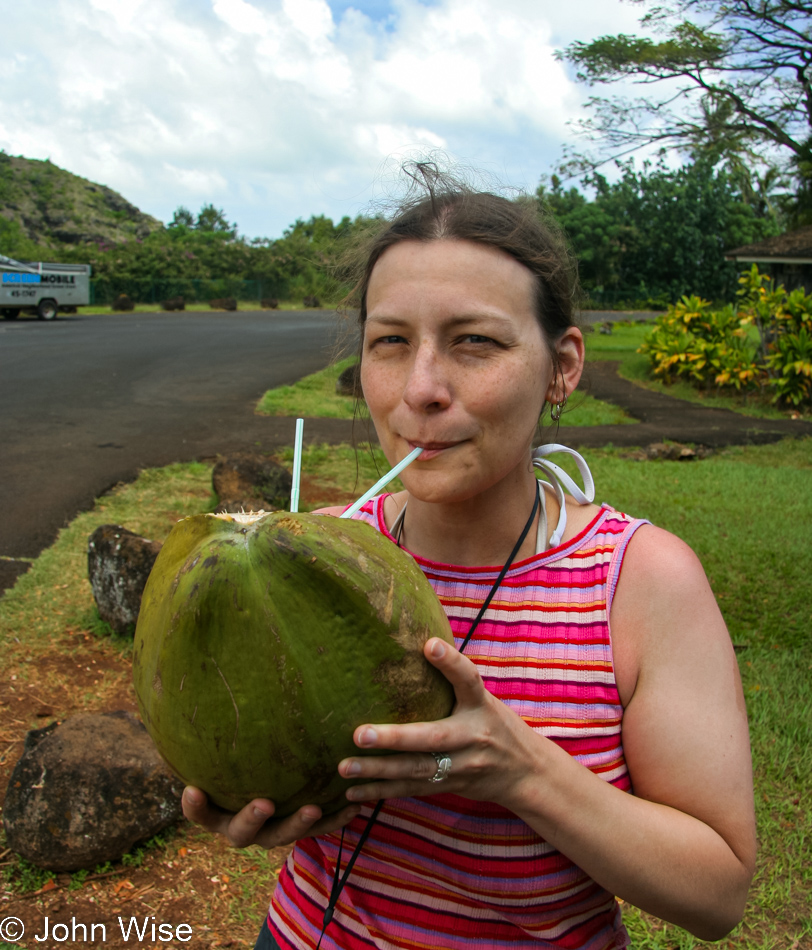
(764, 343)
(223, 303)
(122, 303)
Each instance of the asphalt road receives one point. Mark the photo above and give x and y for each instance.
(88, 400)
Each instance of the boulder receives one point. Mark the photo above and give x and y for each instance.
(173, 303)
(122, 303)
(118, 565)
(250, 481)
(313, 302)
(269, 303)
(223, 303)
(349, 382)
(85, 791)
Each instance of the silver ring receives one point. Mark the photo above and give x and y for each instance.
(443, 760)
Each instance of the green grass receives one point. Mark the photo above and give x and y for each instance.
(55, 592)
(746, 511)
(314, 396)
(197, 307)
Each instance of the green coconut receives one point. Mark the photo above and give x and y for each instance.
(264, 640)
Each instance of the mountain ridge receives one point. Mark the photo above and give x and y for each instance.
(53, 207)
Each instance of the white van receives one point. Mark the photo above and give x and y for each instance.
(34, 287)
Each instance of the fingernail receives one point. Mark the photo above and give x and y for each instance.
(438, 649)
(192, 796)
(262, 815)
(354, 768)
(368, 736)
(307, 818)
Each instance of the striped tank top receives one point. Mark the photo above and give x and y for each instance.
(443, 871)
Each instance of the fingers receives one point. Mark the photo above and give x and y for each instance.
(252, 824)
(241, 828)
(394, 776)
(457, 669)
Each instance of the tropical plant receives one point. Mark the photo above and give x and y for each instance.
(763, 344)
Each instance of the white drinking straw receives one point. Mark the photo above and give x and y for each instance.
(382, 482)
(297, 466)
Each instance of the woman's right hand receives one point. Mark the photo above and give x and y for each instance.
(254, 825)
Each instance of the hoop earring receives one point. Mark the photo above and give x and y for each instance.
(557, 409)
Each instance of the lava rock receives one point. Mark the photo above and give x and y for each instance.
(250, 481)
(349, 382)
(313, 302)
(269, 303)
(85, 791)
(118, 565)
(173, 303)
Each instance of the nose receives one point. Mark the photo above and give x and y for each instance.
(428, 388)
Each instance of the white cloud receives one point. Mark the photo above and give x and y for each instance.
(275, 109)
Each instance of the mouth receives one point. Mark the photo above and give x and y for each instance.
(431, 449)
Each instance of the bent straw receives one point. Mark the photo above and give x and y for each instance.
(297, 467)
(382, 482)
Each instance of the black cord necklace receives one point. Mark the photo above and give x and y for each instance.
(339, 880)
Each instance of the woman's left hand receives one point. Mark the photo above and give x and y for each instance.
(491, 748)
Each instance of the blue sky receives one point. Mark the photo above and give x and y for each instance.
(278, 109)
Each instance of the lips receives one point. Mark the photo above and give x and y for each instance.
(431, 449)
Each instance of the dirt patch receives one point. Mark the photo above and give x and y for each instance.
(193, 879)
(221, 894)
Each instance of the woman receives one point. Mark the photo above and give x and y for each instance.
(511, 822)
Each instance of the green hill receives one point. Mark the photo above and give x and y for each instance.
(50, 207)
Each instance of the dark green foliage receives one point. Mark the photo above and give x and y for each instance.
(658, 234)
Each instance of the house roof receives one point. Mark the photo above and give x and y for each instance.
(790, 247)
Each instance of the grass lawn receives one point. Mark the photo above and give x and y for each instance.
(746, 511)
(197, 307)
(315, 396)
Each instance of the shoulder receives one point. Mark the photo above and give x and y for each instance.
(664, 618)
(335, 510)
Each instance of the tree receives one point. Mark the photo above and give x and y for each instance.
(657, 233)
(736, 80)
(182, 218)
(214, 219)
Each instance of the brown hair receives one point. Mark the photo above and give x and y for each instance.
(446, 210)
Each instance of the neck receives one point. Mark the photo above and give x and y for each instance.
(476, 532)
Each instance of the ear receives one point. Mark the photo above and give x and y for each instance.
(569, 348)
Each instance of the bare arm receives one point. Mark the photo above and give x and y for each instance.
(683, 846)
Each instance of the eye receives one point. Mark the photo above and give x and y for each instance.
(385, 342)
(477, 340)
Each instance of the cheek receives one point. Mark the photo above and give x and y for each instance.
(517, 396)
(380, 385)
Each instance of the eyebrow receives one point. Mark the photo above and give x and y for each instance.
(460, 320)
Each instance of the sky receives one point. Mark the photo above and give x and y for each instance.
(275, 110)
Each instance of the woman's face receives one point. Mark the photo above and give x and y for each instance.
(454, 360)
